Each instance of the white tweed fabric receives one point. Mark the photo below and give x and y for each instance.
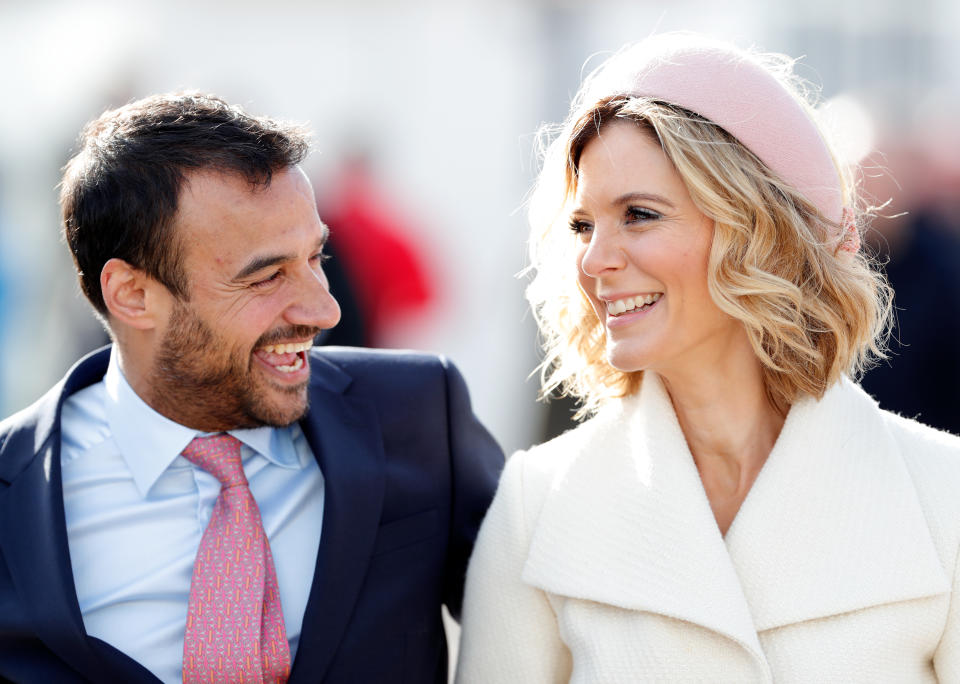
(600, 560)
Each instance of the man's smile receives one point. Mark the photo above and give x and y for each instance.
(287, 358)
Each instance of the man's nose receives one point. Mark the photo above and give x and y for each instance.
(313, 305)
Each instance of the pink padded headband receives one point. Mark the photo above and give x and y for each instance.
(731, 88)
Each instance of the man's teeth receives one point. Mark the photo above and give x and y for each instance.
(291, 348)
(296, 365)
(630, 303)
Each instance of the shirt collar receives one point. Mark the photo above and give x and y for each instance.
(149, 441)
(274, 444)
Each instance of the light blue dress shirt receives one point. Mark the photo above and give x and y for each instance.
(136, 510)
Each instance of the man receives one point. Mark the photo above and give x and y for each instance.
(212, 499)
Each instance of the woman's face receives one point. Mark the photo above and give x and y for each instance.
(642, 257)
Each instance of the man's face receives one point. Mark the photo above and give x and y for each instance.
(234, 354)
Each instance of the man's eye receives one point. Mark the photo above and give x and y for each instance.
(320, 257)
(266, 281)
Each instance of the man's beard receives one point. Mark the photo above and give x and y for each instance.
(194, 386)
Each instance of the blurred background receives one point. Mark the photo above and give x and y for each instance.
(423, 116)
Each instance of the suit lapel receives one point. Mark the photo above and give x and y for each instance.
(35, 547)
(833, 523)
(34, 540)
(344, 434)
(652, 543)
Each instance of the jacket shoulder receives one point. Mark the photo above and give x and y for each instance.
(933, 459)
(534, 471)
(362, 356)
(377, 365)
(932, 455)
(22, 419)
(19, 433)
(24, 433)
(402, 382)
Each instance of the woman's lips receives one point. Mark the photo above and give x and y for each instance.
(627, 316)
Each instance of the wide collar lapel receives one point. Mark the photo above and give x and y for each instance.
(34, 542)
(627, 523)
(344, 434)
(33, 535)
(832, 523)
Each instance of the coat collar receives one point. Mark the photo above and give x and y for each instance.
(831, 524)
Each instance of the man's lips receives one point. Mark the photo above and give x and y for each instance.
(285, 357)
(287, 347)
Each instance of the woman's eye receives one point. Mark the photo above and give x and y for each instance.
(641, 214)
(579, 227)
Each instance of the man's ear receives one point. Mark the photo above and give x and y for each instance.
(131, 296)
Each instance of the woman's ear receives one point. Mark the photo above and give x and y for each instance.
(130, 294)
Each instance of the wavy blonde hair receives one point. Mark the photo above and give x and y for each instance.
(811, 312)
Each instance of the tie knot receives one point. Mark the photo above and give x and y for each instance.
(219, 455)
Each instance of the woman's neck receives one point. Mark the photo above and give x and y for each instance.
(729, 424)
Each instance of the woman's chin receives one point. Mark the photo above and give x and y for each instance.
(626, 360)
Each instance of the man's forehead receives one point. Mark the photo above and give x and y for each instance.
(211, 195)
(202, 181)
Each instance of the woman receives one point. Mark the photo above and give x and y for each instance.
(737, 509)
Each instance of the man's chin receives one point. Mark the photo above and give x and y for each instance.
(285, 409)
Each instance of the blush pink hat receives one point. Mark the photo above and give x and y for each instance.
(752, 100)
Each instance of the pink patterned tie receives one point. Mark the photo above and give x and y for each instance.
(235, 630)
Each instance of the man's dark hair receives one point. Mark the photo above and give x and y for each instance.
(119, 193)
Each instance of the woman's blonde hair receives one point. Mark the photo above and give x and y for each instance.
(812, 312)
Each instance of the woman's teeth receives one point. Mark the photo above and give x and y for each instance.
(620, 306)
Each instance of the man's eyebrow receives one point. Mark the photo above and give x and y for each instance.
(259, 263)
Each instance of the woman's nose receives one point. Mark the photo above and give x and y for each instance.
(601, 254)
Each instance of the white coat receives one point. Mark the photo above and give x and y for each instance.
(600, 559)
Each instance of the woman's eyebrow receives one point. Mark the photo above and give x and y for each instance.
(643, 197)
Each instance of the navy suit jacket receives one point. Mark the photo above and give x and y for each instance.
(409, 473)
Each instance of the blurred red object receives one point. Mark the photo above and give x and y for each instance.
(386, 270)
